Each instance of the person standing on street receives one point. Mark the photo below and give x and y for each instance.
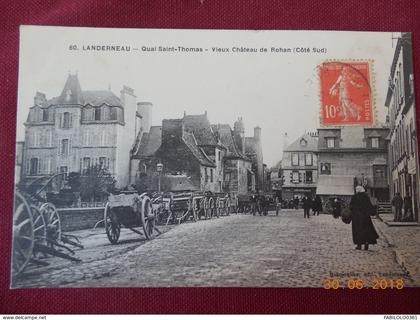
(361, 208)
(336, 206)
(296, 202)
(397, 202)
(307, 205)
(407, 208)
(317, 205)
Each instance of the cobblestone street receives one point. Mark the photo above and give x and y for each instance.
(238, 250)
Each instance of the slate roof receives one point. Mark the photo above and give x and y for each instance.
(99, 97)
(311, 144)
(147, 143)
(227, 140)
(73, 94)
(200, 126)
(191, 142)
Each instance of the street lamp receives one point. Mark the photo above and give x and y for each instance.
(159, 168)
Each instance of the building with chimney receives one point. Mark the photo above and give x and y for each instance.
(299, 167)
(350, 156)
(252, 149)
(79, 129)
(238, 176)
(403, 143)
(191, 147)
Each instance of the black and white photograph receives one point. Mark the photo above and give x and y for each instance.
(215, 158)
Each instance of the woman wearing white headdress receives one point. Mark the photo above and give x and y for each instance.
(364, 232)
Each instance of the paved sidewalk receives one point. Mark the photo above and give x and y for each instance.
(405, 241)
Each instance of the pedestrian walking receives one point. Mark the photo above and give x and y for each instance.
(253, 204)
(296, 202)
(317, 205)
(336, 207)
(361, 208)
(397, 202)
(407, 208)
(307, 205)
(278, 205)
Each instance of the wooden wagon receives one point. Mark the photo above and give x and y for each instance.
(37, 228)
(129, 210)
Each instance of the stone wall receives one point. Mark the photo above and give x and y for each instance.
(80, 218)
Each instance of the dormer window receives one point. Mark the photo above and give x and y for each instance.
(375, 143)
(303, 142)
(330, 142)
(45, 115)
(97, 113)
(66, 120)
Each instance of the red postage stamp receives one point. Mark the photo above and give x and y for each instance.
(346, 93)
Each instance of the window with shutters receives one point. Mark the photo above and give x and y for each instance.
(66, 120)
(65, 147)
(308, 177)
(85, 165)
(295, 159)
(45, 115)
(308, 159)
(34, 166)
(211, 175)
(375, 143)
(97, 113)
(330, 142)
(295, 176)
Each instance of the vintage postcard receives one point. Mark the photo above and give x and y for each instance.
(215, 158)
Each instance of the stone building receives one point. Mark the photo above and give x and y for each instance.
(349, 156)
(190, 146)
(403, 144)
(300, 167)
(238, 175)
(252, 149)
(78, 129)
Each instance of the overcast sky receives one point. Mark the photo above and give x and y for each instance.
(278, 92)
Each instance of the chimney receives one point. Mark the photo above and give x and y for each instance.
(39, 98)
(257, 133)
(239, 134)
(144, 109)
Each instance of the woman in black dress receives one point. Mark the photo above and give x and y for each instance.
(362, 227)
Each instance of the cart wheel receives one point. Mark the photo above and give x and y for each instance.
(148, 218)
(23, 235)
(40, 226)
(112, 228)
(52, 221)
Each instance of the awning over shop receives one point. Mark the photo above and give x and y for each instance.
(335, 185)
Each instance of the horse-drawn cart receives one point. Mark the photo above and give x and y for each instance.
(129, 210)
